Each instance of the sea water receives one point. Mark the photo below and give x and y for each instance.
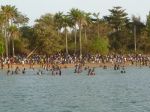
(107, 91)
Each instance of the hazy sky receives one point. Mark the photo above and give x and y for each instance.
(35, 8)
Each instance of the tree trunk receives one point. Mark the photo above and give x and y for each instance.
(66, 40)
(75, 40)
(80, 35)
(6, 43)
(85, 35)
(13, 49)
(135, 38)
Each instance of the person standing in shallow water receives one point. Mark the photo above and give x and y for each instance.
(60, 71)
(24, 71)
(76, 68)
(52, 71)
(89, 71)
(93, 71)
(17, 70)
(123, 69)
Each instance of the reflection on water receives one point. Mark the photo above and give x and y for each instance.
(108, 91)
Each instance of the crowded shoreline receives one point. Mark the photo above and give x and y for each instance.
(37, 61)
(36, 66)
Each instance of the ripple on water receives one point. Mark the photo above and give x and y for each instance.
(108, 91)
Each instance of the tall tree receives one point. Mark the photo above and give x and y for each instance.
(117, 18)
(46, 35)
(148, 24)
(10, 14)
(137, 26)
(86, 23)
(66, 23)
(14, 33)
(74, 18)
(58, 21)
(96, 15)
(118, 21)
(79, 19)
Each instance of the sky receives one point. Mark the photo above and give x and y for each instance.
(33, 9)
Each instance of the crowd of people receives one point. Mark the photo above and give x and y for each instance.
(55, 62)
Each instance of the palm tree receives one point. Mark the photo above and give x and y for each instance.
(9, 12)
(20, 19)
(137, 27)
(13, 30)
(79, 18)
(96, 15)
(65, 24)
(87, 21)
(62, 21)
(58, 21)
(73, 16)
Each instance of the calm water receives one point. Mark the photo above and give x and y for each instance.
(108, 91)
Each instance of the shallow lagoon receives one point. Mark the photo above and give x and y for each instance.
(107, 91)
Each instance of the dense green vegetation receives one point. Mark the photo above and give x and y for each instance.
(77, 32)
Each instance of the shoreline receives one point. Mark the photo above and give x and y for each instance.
(100, 65)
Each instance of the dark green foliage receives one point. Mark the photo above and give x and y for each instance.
(27, 33)
(22, 49)
(47, 40)
(117, 18)
(99, 45)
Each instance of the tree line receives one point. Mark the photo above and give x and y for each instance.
(75, 32)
